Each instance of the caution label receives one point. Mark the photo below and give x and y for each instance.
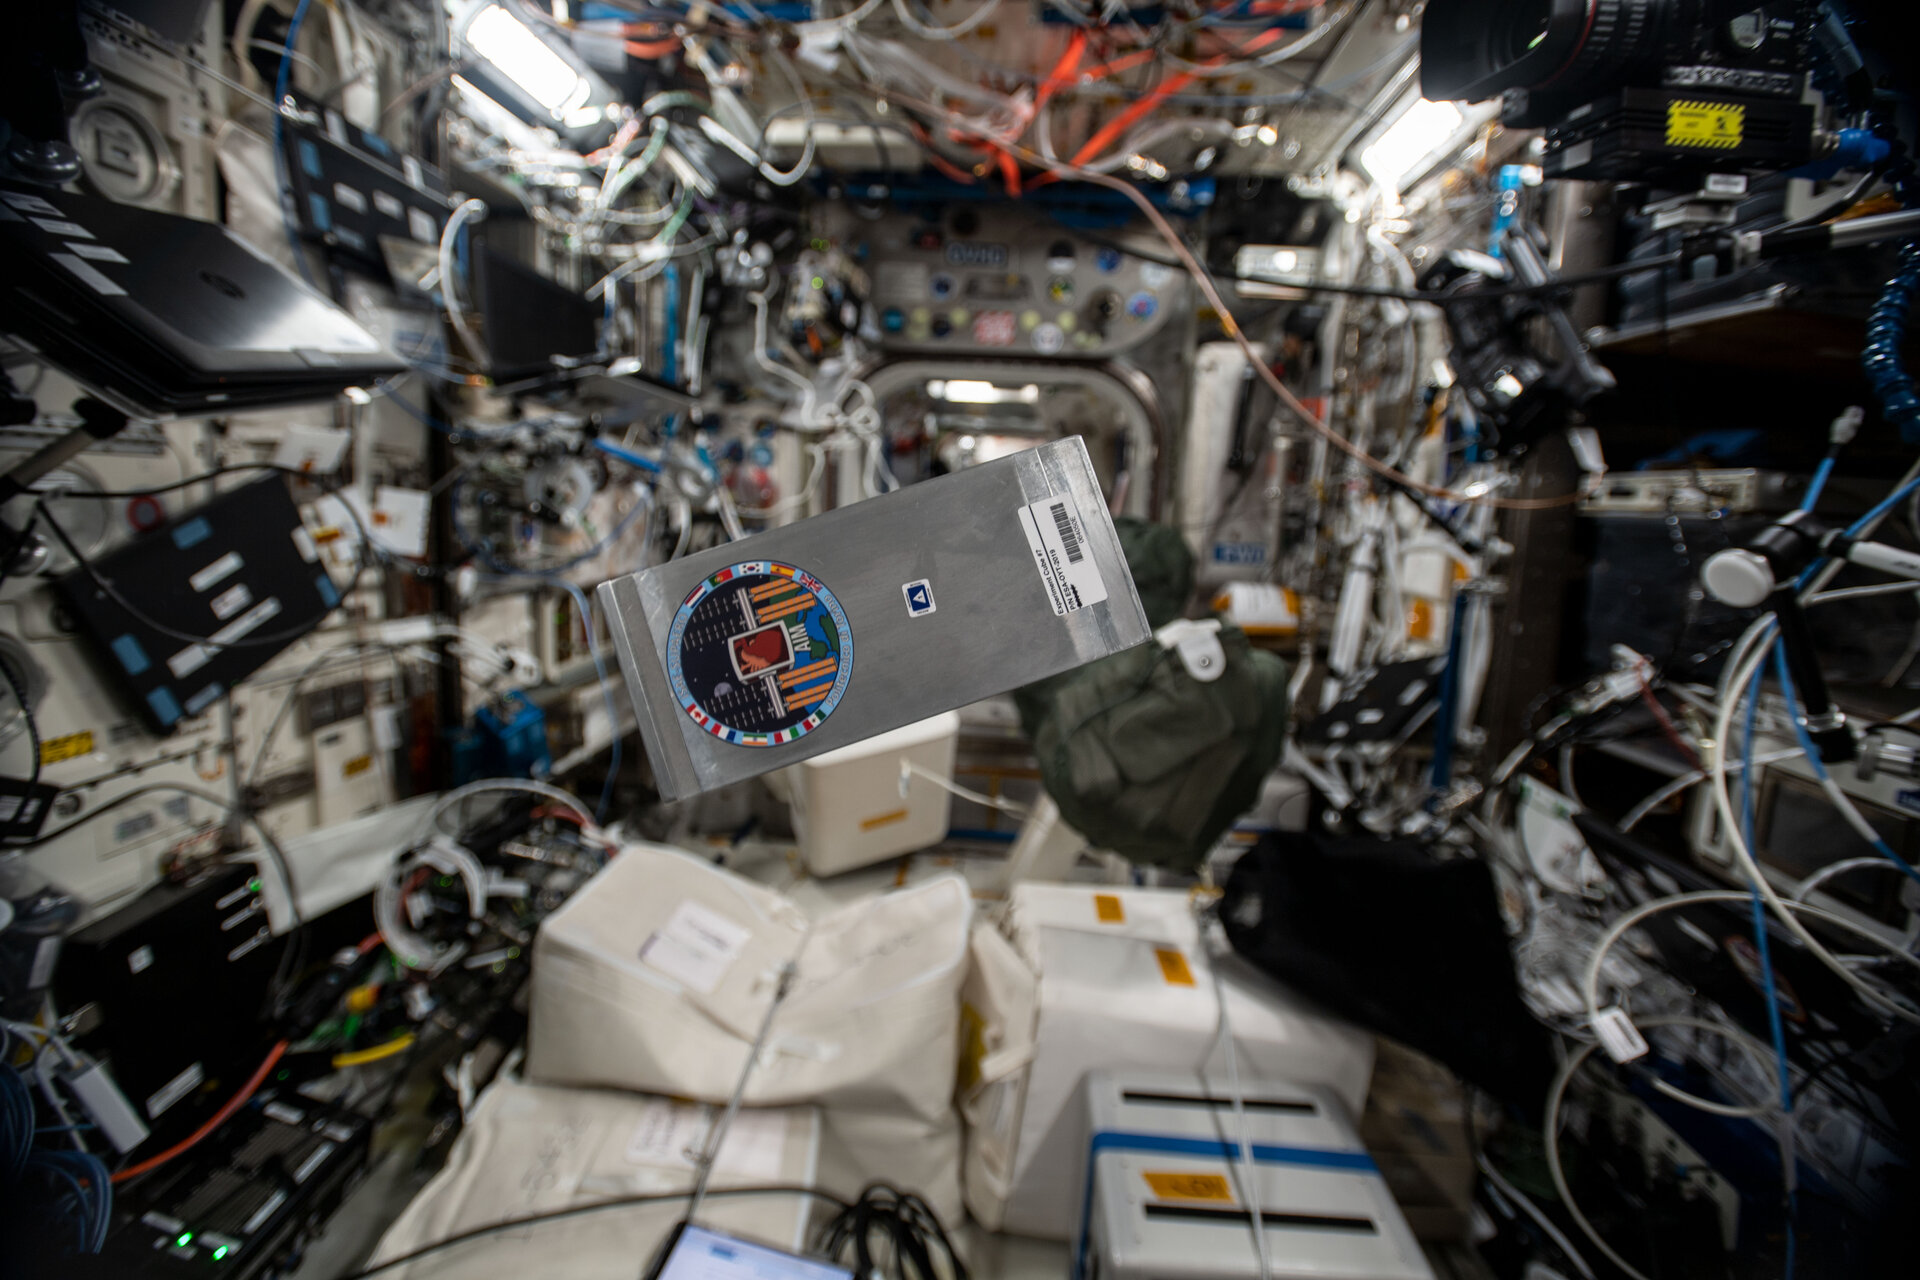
(1174, 967)
(66, 747)
(1190, 1186)
(886, 819)
(1107, 909)
(1712, 126)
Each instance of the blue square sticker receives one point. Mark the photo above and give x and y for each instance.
(919, 598)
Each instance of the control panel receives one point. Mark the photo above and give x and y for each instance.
(990, 281)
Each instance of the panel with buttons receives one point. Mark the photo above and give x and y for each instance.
(1001, 281)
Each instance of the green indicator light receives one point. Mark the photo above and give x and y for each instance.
(220, 1253)
(253, 885)
(186, 1238)
(818, 283)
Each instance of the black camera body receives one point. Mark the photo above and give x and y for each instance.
(1662, 91)
(1519, 387)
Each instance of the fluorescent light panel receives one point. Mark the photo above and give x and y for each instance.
(1420, 131)
(530, 62)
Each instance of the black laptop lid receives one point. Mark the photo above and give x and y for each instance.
(170, 310)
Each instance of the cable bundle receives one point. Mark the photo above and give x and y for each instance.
(77, 1183)
(911, 1238)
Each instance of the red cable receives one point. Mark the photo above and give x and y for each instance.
(1667, 725)
(220, 1117)
(1062, 73)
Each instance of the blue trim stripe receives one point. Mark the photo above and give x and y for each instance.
(1166, 1144)
(1314, 1157)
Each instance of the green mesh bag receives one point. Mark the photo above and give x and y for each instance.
(1142, 758)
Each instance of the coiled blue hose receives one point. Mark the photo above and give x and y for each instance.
(1886, 335)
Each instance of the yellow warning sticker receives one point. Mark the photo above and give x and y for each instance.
(356, 766)
(1716, 126)
(1190, 1186)
(66, 747)
(1107, 909)
(1173, 967)
(886, 819)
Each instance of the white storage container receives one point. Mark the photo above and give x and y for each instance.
(849, 809)
(1170, 1195)
(530, 1149)
(1110, 979)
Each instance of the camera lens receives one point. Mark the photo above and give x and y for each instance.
(1518, 28)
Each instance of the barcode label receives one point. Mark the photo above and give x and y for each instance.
(1069, 540)
(1058, 537)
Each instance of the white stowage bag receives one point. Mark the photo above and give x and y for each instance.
(911, 1153)
(656, 975)
(532, 1149)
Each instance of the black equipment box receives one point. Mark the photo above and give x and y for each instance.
(351, 188)
(170, 314)
(179, 979)
(1642, 135)
(526, 319)
(240, 567)
(238, 1203)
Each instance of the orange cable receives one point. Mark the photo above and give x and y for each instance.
(220, 1117)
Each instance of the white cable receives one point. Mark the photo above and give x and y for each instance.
(1752, 656)
(954, 32)
(1250, 1193)
(1525, 1204)
(1638, 813)
(469, 211)
(732, 141)
(909, 769)
(460, 795)
(1590, 977)
(1840, 868)
(800, 499)
(839, 22)
(809, 403)
(51, 1093)
(1556, 1096)
(1292, 49)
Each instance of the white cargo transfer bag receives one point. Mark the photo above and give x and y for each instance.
(656, 976)
(530, 1149)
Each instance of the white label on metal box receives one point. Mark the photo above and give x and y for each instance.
(175, 1089)
(225, 567)
(231, 601)
(1059, 540)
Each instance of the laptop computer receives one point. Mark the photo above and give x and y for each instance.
(167, 314)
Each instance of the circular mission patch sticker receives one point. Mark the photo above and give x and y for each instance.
(760, 654)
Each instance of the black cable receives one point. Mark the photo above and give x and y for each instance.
(26, 714)
(227, 469)
(273, 847)
(1404, 295)
(793, 1189)
(908, 1226)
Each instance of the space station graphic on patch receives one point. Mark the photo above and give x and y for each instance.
(760, 654)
